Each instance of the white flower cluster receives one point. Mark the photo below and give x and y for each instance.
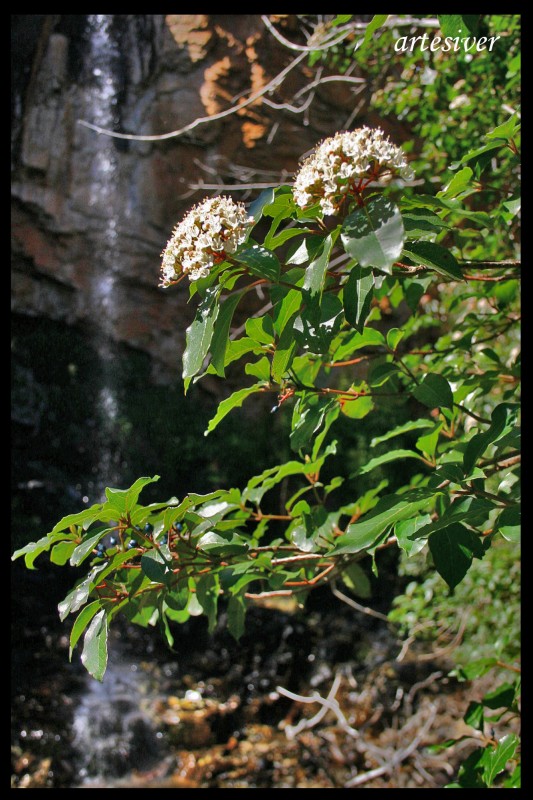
(342, 161)
(211, 230)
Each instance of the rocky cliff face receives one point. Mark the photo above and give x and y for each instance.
(91, 214)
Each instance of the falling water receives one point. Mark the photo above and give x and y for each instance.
(102, 300)
(113, 732)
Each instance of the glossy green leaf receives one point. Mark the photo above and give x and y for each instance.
(456, 25)
(432, 255)
(504, 418)
(357, 580)
(405, 533)
(85, 548)
(94, 655)
(385, 458)
(507, 130)
(261, 329)
(81, 622)
(357, 296)
(406, 427)
(61, 552)
(374, 234)
(207, 593)
(199, 334)
(219, 342)
(260, 261)
(236, 616)
(453, 549)
(460, 181)
(428, 442)
(377, 21)
(79, 594)
(494, 759)
(508, 523)
(235, 400)
(256, 208)
(154, 567)
(434, 391)
(315, 274)
(285, 350)
(362, 534)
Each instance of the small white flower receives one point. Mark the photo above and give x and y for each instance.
(213, 228)
(343, 164)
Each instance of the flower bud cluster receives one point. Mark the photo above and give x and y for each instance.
(342, 163)
(209, 232)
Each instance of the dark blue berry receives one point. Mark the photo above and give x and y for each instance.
(131, 544)
(148, 528)
(112, 540)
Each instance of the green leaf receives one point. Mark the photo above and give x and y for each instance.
(207, 592)
(86, 547)
(94, 655)
(305, 251)
(260, 329)
(357, 296)
(155, 568)
(474, 715)
(434, 392)
(374, 234)
(219, 342)
(405, 530)
(82, 620)
(475, 669)
(348, 344)
(61, 552)
(459, 182)
(255, 209)
(453, 549)
(316, 326)
(376, 22)
(357, 580)
(456, 25)
(428, 443)
(79, 594)
(199, 334)
(236, 615)
(285, 349)
(260, 261)
(406, 427)
(308, 419)
(361, 535)
(508, 523)
(233, 401)
(504, 418)
(494, 759)
(178, 596)
(356, 407)
(223, 543)
(259, 369)
(507, 130)
(385, 458)
(381, 373)
(315, 274)
(435, 257)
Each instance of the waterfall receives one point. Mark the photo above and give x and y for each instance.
(102, 100)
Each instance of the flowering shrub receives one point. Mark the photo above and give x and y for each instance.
(345, 164)
(211, 231)
(183, 556)
(322, 349)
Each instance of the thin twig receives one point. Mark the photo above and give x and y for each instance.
(396, 759)
(356, 606)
